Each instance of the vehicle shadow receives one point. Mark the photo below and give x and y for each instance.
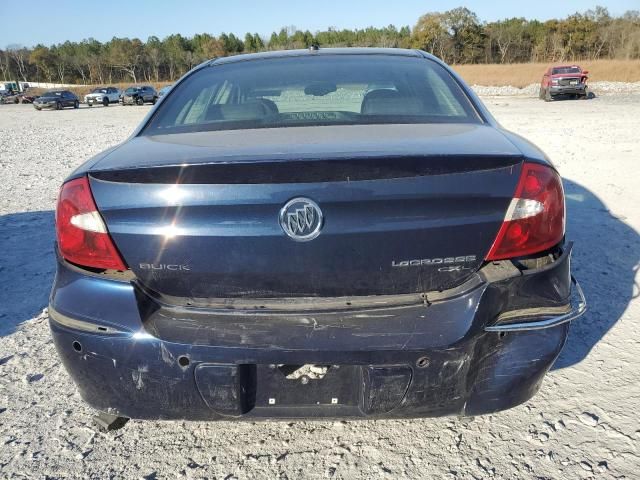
(27, 266)
(605, 260)
(562, 98)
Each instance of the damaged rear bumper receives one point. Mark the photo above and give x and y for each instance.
(465, 351)
(523, 321)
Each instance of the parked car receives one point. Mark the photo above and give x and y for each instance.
(11, 96)
(7, 96)
(564, 80)
(164, 90)
(139, 95)
(264, 245)
(102, 95)
(57, 99)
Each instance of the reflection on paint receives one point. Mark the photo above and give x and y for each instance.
(173, 194)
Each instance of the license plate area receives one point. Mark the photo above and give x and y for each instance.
(276, 390)
(308, 385)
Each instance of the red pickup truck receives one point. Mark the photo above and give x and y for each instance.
(564, 80)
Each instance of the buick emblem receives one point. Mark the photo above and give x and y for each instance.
(301, 219)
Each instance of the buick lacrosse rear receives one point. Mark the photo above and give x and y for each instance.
(322, 233)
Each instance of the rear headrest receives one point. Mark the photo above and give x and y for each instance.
(233, 112)
(270, 105)
(389, 102)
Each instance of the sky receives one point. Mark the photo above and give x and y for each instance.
(55, 22)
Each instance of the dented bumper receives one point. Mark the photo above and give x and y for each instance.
(451, 353)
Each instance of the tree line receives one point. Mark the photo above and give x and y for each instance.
(456, 36)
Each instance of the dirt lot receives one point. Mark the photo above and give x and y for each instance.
(583, 423)
(521, 74)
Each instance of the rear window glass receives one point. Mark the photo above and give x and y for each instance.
(319, 90)
(565, 70)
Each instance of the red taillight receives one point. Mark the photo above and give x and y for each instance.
(535, 219)
(82, 235)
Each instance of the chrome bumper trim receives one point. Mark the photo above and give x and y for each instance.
(548, 322)
(81, 325)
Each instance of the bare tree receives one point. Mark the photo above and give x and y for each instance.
(19, 54)
(125, 55)
(508, 36)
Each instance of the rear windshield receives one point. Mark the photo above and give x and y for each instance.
(320, 90)
(565, 70)
(132, 90)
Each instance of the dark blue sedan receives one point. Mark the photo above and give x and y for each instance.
(317, 233)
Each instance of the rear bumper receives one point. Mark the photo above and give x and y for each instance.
(133, 356)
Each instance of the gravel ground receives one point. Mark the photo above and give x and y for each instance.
(582, 424)
(532, 90)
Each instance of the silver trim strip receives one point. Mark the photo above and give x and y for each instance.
(575, 313)
(82, 325)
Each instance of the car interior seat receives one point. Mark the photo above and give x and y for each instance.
(389, 102)
(252, 110)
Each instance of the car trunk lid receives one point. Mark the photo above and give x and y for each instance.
(405, 208)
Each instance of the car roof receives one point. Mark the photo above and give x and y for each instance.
(403, 52)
